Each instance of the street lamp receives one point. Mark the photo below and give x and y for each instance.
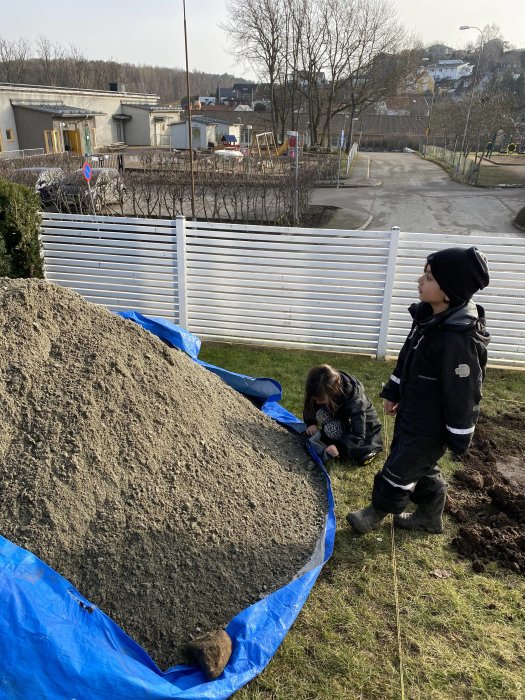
(354, 119)
(430, 107)
(468, 26)
(341, 144)
(349, 160)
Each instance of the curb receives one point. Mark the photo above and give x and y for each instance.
(366, 224)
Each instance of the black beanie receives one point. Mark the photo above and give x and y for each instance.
(460, 272)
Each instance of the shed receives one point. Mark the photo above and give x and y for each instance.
(205, 131)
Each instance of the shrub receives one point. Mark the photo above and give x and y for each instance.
(19, 231)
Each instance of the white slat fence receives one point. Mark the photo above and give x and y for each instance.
(342, 291)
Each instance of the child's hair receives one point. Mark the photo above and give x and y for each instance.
(325, 381)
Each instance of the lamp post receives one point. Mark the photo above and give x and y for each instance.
(341, 144)
(190, 141)
(430, 118)
(349, 160)
(463, 27)
(354, 119)
(430, 107)
(249, 128)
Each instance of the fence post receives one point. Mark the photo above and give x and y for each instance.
(389, 287)
(182, 284)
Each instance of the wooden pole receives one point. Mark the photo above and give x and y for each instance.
(190, 140)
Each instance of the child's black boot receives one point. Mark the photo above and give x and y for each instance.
(427, 516)
(366, 519)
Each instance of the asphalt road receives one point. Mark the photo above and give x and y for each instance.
(418, 196)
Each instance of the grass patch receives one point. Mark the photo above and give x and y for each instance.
(462, 637)
(489, 175)
(494, 175)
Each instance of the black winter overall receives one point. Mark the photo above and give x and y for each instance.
(437, 386)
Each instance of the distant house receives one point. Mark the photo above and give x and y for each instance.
(243, 91)
(513, 60)
(225, 95)
(303, 78)
(440, 51)
(450, 69)
(421, 82)
(400, 106)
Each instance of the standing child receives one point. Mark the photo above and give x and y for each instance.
(340, 419)
(434, 392)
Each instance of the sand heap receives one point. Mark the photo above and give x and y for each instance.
(165, 497)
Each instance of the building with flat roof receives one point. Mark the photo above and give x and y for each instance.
(56, 119)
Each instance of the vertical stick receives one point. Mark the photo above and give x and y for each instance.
(182, 277)
(387, 297)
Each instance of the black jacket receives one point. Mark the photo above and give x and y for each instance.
(361, 426)
(439, 373)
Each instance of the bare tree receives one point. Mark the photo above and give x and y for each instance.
(78, 66)
(51, 58)
(381, 60)
(311, 78)
(261, 44)
(14, 56)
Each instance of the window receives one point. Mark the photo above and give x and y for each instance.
(10, 134)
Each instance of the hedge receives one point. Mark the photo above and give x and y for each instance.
(20, 254)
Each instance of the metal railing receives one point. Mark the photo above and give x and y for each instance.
(24, 153)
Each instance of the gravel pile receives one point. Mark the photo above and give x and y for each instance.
(165, 497)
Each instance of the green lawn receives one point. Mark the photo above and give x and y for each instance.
(494, 175)
(489, 175)
(461, 637)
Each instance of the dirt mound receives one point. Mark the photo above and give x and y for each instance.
(164, 496)
(488, 494)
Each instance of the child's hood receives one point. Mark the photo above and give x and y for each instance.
(352, 387)
(469, 317)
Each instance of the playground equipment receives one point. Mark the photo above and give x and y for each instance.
(265, 144)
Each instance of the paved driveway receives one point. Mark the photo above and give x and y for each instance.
(419, 196)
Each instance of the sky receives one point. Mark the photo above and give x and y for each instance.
(134, 31)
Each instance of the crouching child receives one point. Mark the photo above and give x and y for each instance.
(341, 420)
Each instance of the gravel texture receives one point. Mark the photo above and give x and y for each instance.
(165, 497)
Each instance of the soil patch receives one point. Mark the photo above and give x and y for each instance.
(318, 216)
(165, 497)
(487, 494)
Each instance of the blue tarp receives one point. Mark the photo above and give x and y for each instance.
(55, 644)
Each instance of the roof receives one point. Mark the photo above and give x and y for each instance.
(244, 87)
(24, 87)
(58, 110)
(209, 120)
(152, 108)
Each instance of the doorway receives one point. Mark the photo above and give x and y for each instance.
(72, 141)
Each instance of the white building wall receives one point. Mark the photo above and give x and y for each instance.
(7, 121)
(107, 102)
